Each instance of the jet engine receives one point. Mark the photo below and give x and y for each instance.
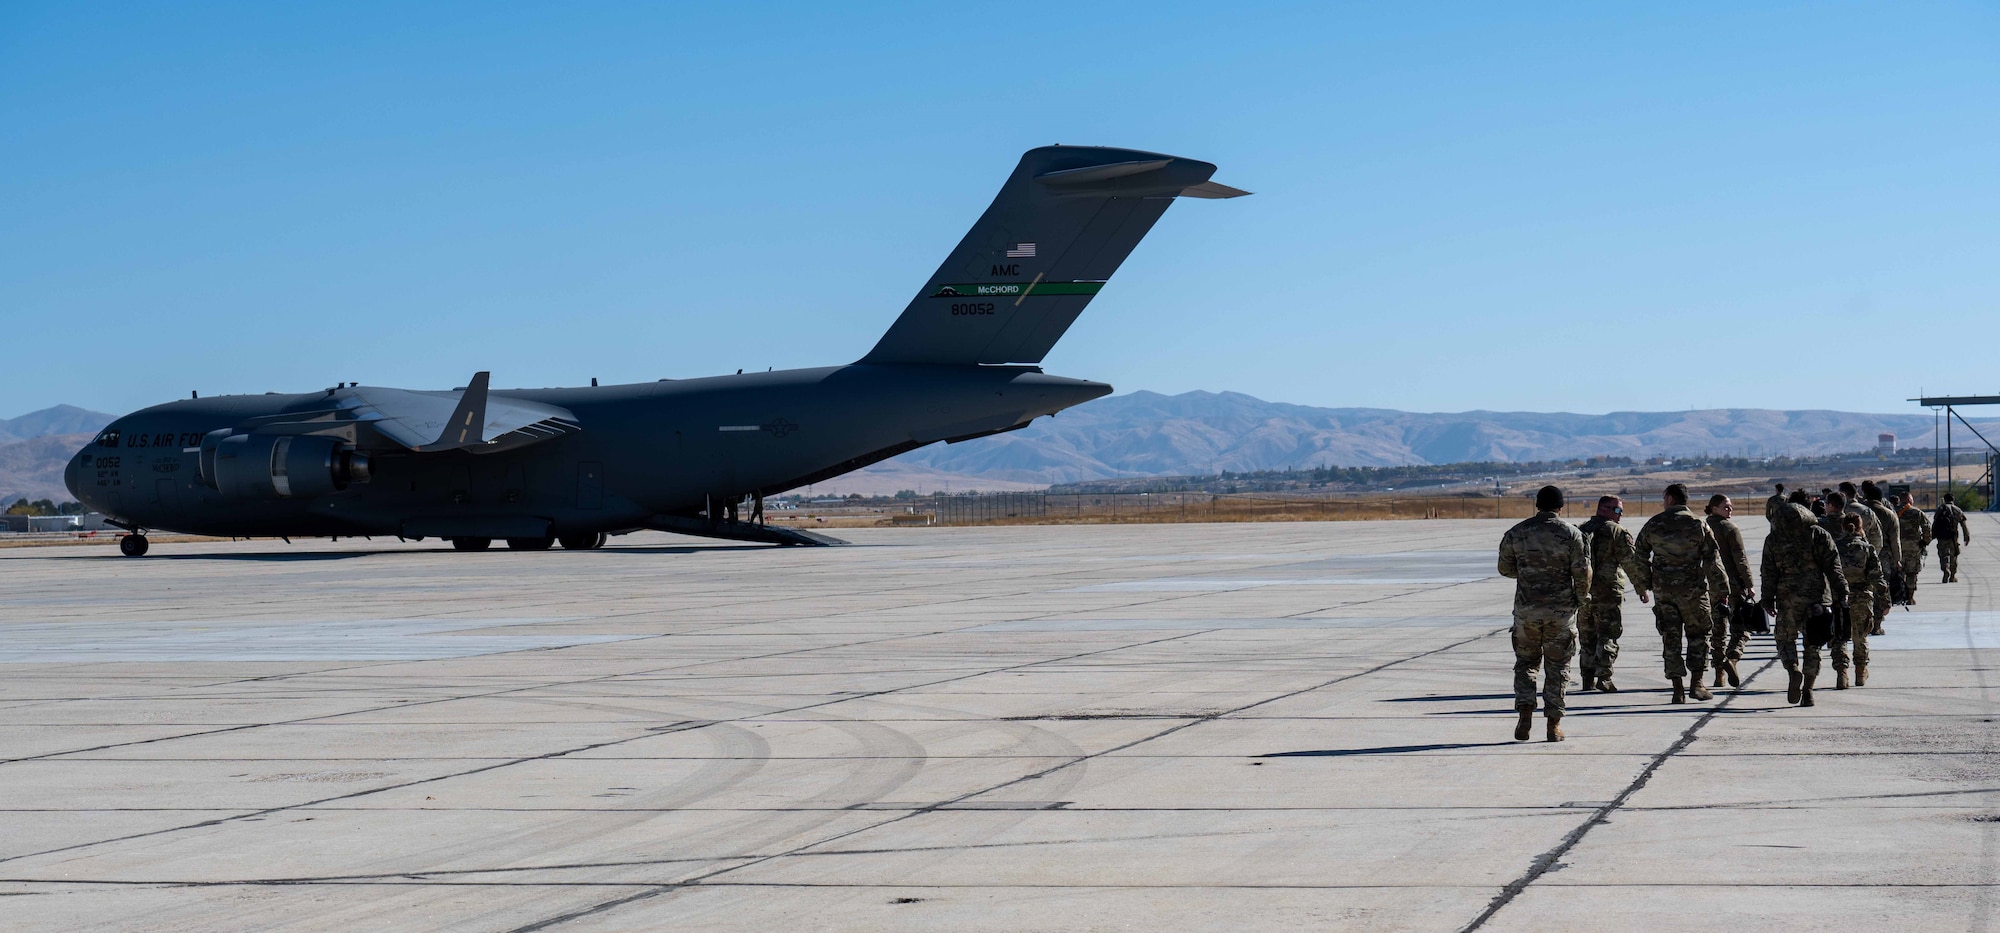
(279, 466)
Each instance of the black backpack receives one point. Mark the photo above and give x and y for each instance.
(1945, 525)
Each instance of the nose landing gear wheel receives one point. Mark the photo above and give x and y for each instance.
(530, 544)
(471, 544)
(583, 542)
(133, 545)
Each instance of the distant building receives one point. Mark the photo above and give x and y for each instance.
(1885, 445)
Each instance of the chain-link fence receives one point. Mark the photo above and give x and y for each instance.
(1045, 508)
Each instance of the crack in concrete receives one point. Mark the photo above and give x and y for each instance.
(1548, 861)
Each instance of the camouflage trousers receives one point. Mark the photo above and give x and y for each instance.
(1724, 643)
(1913, 569)
(1858, 628)
(1683, 620)
(1599, 625)
(1790, 631)
(1948, 557)
(1544, 638)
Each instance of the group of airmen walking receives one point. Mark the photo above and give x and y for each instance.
(1833, 565)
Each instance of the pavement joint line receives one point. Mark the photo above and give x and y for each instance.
(1546, 861)
(473, 696)
(702, 879)
(614, 677)
(418, 879)
(720, 628)
(549, 755)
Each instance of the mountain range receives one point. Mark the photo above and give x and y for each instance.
(1200, 433)
(62, 419)
(1150, 434)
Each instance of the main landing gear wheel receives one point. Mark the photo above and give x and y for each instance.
(134, 545)
(583, 542)
(471, 544)
(530, 544)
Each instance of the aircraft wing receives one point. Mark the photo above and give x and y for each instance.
(467, 419)
(462, 419)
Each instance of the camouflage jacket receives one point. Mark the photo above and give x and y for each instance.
(1891, 545)
(1870, 525)
(1916, 529)
(1800, 562)
(1610, 547)
(1544, 556)
(1677, 552)
(1735, 560)
(1861, 565)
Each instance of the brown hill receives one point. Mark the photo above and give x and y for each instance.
(33, 469)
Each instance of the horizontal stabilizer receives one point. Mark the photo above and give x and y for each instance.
(1212, 189)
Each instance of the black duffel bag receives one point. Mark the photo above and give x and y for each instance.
(1748, 618)
(1843, 623)
(1899, 588)
(1819, 626)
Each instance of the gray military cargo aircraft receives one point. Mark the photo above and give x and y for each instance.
(534, 467)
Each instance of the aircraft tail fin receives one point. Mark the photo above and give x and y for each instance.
(1061, 225)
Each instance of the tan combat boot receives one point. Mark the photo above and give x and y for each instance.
(1699, 692)
(1805, 693)
(1861, 675)
(1840, 680)
(1605, 685)
(1680, 691)
(1720, 670)
(1792, 689)
(1735, 679)
(1555, 727)
(1526, 726)
(1589, 680)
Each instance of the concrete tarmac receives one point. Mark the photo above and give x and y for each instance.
(1139, 727)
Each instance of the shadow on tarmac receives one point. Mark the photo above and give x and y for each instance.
(1451, 698)
(283, 556)
(1383, 750)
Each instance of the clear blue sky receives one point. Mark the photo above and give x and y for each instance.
(1761, 205)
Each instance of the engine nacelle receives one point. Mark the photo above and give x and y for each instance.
(279, 466)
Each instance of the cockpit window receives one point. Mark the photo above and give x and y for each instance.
(108, 439)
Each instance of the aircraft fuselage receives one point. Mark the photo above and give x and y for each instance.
(674, 447)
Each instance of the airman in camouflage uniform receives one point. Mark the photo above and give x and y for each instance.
(1836, 508)
(1870, 524)
(1862, 568)
(1679, 563)
(1801, 572)
(1726, 641)
(1947, 523)
(1773, 504)
(1545, 557)
(1601, 621)
(1916, 529)
(1890, 549)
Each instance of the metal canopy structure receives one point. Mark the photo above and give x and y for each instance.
(1946, 407)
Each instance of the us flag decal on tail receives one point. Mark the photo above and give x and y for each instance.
(1022, 251)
